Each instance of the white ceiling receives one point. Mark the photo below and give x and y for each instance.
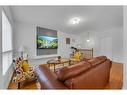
(93, 18)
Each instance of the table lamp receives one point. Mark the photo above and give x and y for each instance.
(21, 50)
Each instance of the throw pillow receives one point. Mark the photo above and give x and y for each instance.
(25, 65)
(77, 56)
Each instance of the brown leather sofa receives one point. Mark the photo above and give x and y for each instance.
(88, 74)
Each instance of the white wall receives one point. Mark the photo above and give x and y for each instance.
(64, 49)
(1, 47)
(25, 35)
(116, 34)
(7, 77)
(84, 37)
(117, 42)
(125, 47)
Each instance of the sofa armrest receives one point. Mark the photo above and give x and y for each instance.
(48, 79)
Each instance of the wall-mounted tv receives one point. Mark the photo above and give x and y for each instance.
(47, 42)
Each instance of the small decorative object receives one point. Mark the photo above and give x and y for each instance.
(59, 57)
(73, 49)
(67, 40)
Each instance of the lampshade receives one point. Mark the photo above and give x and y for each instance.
(21, 49)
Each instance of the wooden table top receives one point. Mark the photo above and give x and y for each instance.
(56, 61)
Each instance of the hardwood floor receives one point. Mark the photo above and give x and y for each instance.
(115, 82)
(116, 76)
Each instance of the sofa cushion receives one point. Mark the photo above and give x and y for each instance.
(73, 70)
(102, 58)
(25, 66)
(97, 60)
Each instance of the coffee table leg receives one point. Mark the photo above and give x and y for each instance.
(49, 65)
(69, 62)
(19, 85)
(54, 67)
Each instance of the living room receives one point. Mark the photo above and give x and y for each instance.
(96, 28)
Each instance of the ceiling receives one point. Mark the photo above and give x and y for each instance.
(93, 18)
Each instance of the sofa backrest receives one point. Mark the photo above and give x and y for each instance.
(96, 77)
(97, 60)
(72, 71)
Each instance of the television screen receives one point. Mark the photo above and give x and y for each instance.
(47, 42)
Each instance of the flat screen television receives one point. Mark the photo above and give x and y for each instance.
(47, 42)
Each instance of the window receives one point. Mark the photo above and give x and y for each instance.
(6, 43)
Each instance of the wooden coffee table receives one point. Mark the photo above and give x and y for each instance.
(56, 62)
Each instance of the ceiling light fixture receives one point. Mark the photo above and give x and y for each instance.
(88, 40)
(75, 20)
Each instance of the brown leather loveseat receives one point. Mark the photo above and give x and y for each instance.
(91, 74)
